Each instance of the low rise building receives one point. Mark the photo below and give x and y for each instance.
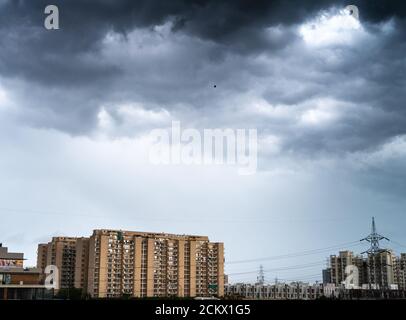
(17, 282)
(279, 291)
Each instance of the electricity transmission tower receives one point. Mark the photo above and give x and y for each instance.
(373, 238)
(261, 275)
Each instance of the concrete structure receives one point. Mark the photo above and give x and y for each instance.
(81, 263)
(22, 283)
(306, 291)
(17, 282)
(338, 263)
(10, 259)
(326, 276)
(114, 263)
(380, 270)
(400, 271)
(61, 252)
(279, 291)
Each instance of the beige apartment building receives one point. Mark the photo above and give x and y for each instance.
(338, 263)
(400, 271)
(69, 254)
(378, 270)
(115, 263)
(382, 268)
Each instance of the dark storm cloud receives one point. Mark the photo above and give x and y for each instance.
(325, 114)
(378, 11)
(67, 74)
(33, 52)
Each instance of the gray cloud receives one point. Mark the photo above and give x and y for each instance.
(330, 113)
(166, 57)
(60, 57)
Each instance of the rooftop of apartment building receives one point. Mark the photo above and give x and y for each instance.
(20, 270)
(152, 234)
(64, 239)
(4, 254)
(67, 239)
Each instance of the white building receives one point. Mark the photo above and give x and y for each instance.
(279, 291)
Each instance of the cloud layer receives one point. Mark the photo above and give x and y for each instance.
(325, 91)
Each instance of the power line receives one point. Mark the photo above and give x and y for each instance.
(298, 254)
(294, 267)
(307, 277)
(398, 244)
(165, 219)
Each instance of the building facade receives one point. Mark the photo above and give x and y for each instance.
(278, 291)
(400, 271)
(10, 259)
(61, 252)
(306, 291)
(17, 282)
(379, 270)
(113, 263)
(338, 263)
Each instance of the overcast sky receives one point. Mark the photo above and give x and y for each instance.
(326, 92)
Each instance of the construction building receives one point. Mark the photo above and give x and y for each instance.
(338, 264)
(400, 271)
(380, 269)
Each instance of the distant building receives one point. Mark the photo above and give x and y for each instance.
(17, 282)
(306, 291)
(338, 263)
(10, 259)
(61, 252)
(381, 269)
(400, 271)
(378, 270)
(279, 291)
(327, 276)
(362, 265)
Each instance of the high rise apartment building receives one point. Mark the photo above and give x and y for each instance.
(338, 263)
(113, 263)
(61, 252)
(379, 270)
(81, 268)
(400, 271)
